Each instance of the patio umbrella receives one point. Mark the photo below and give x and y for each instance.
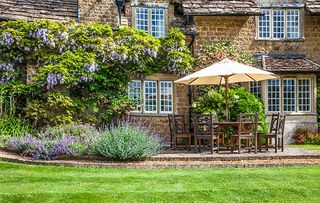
(225, 72)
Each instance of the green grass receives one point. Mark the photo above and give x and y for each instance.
(31, 183)
(306, 146)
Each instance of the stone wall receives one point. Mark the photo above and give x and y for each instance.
(241, 30)
(104, 11)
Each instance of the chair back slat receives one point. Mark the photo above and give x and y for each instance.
(274, 123)
(248, 124)
(202, 125)
(282, 122)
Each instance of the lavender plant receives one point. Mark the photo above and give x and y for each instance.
(126, 142)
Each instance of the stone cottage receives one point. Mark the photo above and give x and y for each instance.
(283, 35)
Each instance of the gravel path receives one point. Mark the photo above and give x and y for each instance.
(183, 159)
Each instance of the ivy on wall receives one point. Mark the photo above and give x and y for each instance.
(79, 72)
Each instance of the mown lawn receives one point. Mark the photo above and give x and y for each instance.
(306, 146)
(30, 183)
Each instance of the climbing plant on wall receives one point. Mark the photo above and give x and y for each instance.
(71, 72)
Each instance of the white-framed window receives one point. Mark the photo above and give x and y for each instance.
(166, 96)
(255, 88)
(151, 20)
(289, 94)
(142, 19)
(304, 95)
(293, 24)
(153, 96)
(274, 95)
(279, 24)
(135, 93)
(264, 24)
(150, 96)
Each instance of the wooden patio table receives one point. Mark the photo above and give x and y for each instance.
(224, 124)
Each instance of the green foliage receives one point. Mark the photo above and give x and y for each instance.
(11, 126)
(81, 71)
(127, 142)
(240, 101)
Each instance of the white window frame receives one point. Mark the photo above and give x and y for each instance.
(138, 108)
(159, 98)
(297, 96)
(272, 11)
(151, 29)
(286, 105)
(276, 98)
(255, 88)
(145, 100)
(304, 99)
(170, 93)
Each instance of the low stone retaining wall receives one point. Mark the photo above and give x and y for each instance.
(178, 161)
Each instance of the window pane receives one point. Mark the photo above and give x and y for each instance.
(293, 24)
(264, 25)
(289, 95)
(141, 19)
(304, 97)
(157, 22)
(278, 24)
(166, 97)
(150, 97)
(255, 88)
(273, 95)
(135, 93)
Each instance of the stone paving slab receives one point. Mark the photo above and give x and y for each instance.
(181, 159)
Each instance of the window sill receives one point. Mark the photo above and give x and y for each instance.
(149, 114)
(281, 40)
(295, 114)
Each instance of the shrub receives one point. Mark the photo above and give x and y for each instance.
(11, 126)
(240, 101)
(306, 136)
(46, 148)
(85, 132)
(127, 142)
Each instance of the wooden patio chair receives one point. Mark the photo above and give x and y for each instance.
(277, 126)
(273, 131)
(178, 129)
(204, 131)
(247, 130)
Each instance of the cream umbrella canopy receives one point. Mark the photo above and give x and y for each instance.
(225, 72)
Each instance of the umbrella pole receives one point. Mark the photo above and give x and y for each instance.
(227, 97)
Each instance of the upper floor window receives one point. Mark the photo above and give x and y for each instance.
(151, 20)
(279, 24)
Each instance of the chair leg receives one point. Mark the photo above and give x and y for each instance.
(175, 143)
(282, 144)
(212, 143)
(276, 144)
(267, 144)
(239, 145)
(259, 144)
(256, 145)
(196, 144)
(189, 139)
(218, 144)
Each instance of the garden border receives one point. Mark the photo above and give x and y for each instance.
(173, 162)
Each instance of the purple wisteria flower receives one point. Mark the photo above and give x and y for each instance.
(43, 35)
(7, 39)
(54, 79)
(91, 67)
(6, 70)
